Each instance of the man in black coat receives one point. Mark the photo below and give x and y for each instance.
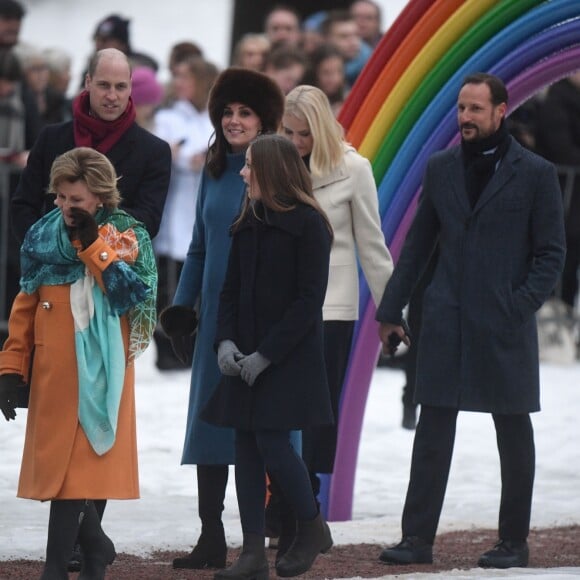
(494, 209)
(103, 118)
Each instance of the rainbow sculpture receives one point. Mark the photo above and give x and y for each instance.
(402, 109)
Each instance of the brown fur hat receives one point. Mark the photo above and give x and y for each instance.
(251, 88)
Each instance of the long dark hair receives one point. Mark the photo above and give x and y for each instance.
(281, 175)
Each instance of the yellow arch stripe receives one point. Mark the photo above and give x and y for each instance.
(457, 24)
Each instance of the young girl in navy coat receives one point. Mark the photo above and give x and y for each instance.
(270, 350)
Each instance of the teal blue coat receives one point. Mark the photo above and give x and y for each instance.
(202, 276)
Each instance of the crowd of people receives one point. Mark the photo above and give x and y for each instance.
(224, 216)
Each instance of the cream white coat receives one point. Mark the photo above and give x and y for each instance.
(348, 195)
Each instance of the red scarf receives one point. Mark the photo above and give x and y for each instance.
(93, 132)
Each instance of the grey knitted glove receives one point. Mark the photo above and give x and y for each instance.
(252, 365)
(226, 355)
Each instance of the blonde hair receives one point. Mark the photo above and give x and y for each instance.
(258, 39)
(92, 168)
(310, 105)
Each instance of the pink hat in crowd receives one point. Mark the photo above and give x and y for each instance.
(146, 89)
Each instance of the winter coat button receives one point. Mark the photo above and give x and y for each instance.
(46, 305)
(103, 256)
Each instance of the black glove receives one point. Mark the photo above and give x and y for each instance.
(11, 387)
(179, 324)
(395, 340)
(85, 228)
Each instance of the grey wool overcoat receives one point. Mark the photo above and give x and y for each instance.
(498, 262)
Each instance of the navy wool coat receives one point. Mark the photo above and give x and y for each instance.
(498, 262)
(272, 302)
(141, 160)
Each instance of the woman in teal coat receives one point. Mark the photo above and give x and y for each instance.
(271, 351)
(242, 104)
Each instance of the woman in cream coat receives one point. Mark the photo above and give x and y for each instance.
(344, 186)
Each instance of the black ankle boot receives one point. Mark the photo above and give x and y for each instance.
(312, 538)
(410, 550)
(252, 563)
(506, 554)
(63, 526)
(98, 549)
(210, 551)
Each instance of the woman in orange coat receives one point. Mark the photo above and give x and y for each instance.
(86, 309)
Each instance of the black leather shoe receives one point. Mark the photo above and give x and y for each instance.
(411, 550)
(506, 554)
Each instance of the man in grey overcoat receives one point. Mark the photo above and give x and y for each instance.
(494, 209)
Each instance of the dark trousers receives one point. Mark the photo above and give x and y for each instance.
(569, 288)
(431, 460)
(319, 443)
(271, 451)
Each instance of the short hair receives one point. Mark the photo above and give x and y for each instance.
(29, 55)
(11, 10)
(311, 105)
(105, 52)
(58, 60)
(92, 168)
(283, 57)
(333, 17)
(182, 51)
(248, 38)
(375, 5)
(282, 8)
(497, 88)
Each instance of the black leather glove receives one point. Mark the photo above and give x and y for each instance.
(180, 324)
(12, 386)
(85, 228)
(395, 340)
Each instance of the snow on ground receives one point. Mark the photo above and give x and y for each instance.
(165, 516)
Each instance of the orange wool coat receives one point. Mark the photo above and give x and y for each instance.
(58, 461)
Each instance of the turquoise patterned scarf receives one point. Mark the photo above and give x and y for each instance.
(49, 258)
